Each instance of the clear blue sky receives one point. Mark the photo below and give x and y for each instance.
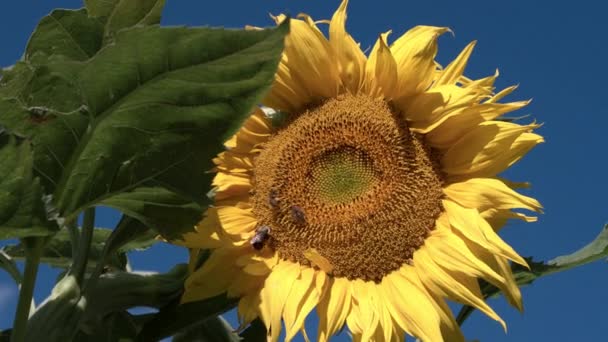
(554, 51)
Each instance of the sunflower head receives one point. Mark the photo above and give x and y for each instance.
(374, 201)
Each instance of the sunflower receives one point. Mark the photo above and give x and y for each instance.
(369, 192)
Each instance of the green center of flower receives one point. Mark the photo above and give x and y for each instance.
(341, 175)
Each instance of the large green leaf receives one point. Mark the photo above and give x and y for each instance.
(595, 250)
(22, 206)
(158, 208)
(149, 110)
(128, 13)
(68, 33)
(121, 14)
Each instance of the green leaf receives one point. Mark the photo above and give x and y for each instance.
(129, 13)
(151, 110)
(595, 250)
(173, 318)
(212, 329)
(22, 208)
(67, 33)
(121, 14)
(158, 208)
(130, 235)
(159, 121)
(100, 8)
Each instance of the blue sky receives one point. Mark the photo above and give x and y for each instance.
(555, 53)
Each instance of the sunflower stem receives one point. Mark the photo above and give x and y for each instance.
(33, 251)
(84, 245)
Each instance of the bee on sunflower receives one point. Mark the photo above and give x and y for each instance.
(375, 201)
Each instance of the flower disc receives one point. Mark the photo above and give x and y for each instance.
(349, 181)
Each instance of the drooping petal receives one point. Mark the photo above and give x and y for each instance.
(363, 307)
(303, 297)
(350, 58)
(274, 296)
(237, 221)
(381, 71)
(454, 70)
(454, 127)
(256, 129)
(414, 54)
(334, 308)
(309, 63)
(497, 218)
(436, 105)
(453, 285)
(486, 193)
(248, 309)
(231, 185)
(489, 149)
(475, 228)
(410, 306)
(219, 267)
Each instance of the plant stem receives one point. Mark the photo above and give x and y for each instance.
(74, 236)
(33, 250)
(84, 245)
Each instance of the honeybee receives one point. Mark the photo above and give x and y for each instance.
(273, 199)
(261, 236)
(297, 214)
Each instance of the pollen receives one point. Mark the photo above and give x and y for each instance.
(355, 185)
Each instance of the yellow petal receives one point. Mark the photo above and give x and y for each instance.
(489, 148)
(511, 288)
(207, 234)
(472, 226)
(411, 307)
(487, 193)
(431, 108)
(454, 127)
(318, 260)
(452, 253)
(303, 297)
(363, 307)
(248, 309)
(287, 92)
(237, 221)
(334, 308)
(350, 58)
(310, 59)
(386, 331)
(414, 54)
(454, 71)
(256, 129)
(498, 218)
(381, 71)
(274, 295)
(454, 285)
(220, 267)
(231, 185)
(243, 284)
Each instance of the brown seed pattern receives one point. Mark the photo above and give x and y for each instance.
(367, 191)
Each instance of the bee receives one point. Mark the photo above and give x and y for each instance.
(297, 214)
(261, 236)
(273, 199)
